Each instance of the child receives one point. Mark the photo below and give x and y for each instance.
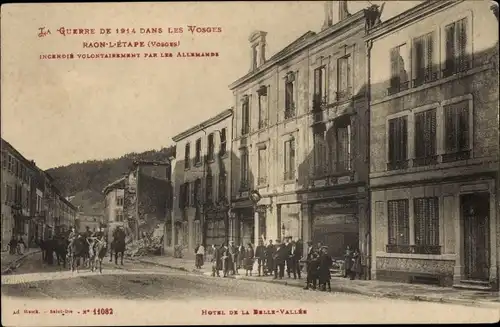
(312, 271)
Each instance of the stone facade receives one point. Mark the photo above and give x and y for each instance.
(410, 183)
(279, 106)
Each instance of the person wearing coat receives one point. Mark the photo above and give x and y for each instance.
(288, 260)
(325, 263)
(347, 262)
(280, 255)
(215, 260)
(249, 259)
(270, 249)
(356, 265)
(295, 256)
(226, 259)
(233, 253)
(240, 254)
(260, 255)
(312, 269)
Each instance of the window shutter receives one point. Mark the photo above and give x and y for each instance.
(450, 48)
(419, 59)
(429, 55)
(404, 139)
(348, 72)
(431, 149)
(462, 42)
(317, 82)
(463, 126)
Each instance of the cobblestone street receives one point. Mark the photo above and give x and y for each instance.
(140, 281)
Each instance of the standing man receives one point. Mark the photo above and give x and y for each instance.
(280, 256)
(226, 259)
(233, 254)
(294, 260)
(270, 257)
(288, 260)
(260, 255)
(215, 260)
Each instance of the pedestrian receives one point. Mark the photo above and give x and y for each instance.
(288, 256)
(356, 265)
(299, 249)
(270, 249)
(233, 253)
(200, 252)
(260, 255)
(347, 262)
(13, 245)
(294, 260)
(312, 270)
(21, 245)
(240, 253)
(215, 260)
(280, 256)
(325, 263)
(226, 259)
(249, 259)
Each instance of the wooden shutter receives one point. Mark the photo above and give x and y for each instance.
(463, 126)
(461, 39)
(292, 156)
(395, 67)
(450, 49)
(288, 95)
(403, 130)
(429, 55)
(420, 59)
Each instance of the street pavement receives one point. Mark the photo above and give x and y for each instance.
(141, 281)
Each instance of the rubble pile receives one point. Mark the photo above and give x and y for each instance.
(145, 246)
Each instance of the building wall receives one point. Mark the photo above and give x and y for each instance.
(289, 203)
(111, 208)
(187, 230)
(447, 181)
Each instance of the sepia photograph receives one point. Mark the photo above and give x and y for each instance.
(250, 162)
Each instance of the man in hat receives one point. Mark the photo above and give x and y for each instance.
(260, 255)
(288, 260)
(280, 256)
(269, 258)
(233, 253)
(325, 262)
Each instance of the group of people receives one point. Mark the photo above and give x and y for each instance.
(17, 245)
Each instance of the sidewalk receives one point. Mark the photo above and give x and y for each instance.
(12, 261)
(373, 288)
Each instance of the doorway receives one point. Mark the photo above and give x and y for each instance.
(475, 210)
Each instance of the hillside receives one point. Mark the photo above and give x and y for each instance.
(86, 180)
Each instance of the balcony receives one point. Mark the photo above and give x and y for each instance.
(453, 67)
(290, 112)
(397, 86)
(263, 123)
(456, 156)
(424, 77)
(343, 95)
(319, 103)
(397, 164)
(413, 249)
(425, 161)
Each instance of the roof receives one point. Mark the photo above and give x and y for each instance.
(209, 122)
(118, 184)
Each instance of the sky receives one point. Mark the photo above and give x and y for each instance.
(58, 112)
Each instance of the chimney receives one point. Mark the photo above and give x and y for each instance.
(258, 49)
(340, 11)
(328, 15)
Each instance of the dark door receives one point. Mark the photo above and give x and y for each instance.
(475, 213)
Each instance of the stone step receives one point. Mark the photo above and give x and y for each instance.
(475, 282)
(472, 286)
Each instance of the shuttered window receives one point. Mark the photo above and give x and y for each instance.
(209, 189)
(399, 225)
(244, 168)
(222, 186)
(456, 131)
(210, 147)
(344, 87)
(319, 87)
(262, 158)
(424, 64)
(425, 138)
(343, 148)
(456, 48)
(223, 142)
(245, 116)
(319, 154)
(197, 192)
(289, 162)
(398, 143)
(187, 155)
(426, 221)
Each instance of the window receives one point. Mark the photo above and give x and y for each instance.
(399, 70)
(187, 156)
(197, 158)
(183, 195)
(222, 186)
(344, 86)
(262, 158)
(209, 189)
(424, 65)
(4, 160)
(343, 144)
(119, 201)
(244, 168)
(319, 154)
(399, 226)
(319, 99)
(290, 95)
(223, 142)
(457, 131)
(289, 162)
(118, 215)
(425, 138)
(263, 101)
(211, 147)
(398, 142)
(456, 48)
(168, 173)
(245, 116)
(10, 163)
(426, 225)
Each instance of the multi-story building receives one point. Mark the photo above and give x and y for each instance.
(114, 195)
(300, 137)
(92, 221)
(435, 145)
(201, 182)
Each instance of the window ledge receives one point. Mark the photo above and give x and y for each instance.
(446, 256)
(439, 81)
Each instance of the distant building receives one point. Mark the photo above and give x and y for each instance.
(114, 195)
(93, 222)
(434, 160)
(201, 180)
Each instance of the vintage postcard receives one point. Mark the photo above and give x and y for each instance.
(292, 162)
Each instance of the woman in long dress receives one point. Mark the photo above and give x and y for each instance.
(248, 260)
